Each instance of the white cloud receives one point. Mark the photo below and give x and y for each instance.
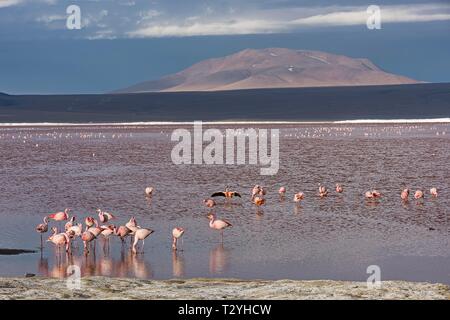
(9, 3)
(285, 20)
(47, 19)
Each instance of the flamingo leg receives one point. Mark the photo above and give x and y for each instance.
(42, 244)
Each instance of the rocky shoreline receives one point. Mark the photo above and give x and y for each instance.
(201, 288)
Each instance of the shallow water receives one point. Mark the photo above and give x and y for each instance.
(46, 169)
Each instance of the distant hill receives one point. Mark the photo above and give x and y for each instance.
(272, 68)
(413, 101)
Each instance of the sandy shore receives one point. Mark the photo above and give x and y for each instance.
(115, 288)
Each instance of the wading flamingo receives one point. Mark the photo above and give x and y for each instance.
(404, 194)
(104, 216)
(69, 223)
(299, 196)
(418, 194)
(75, 231)
(255, 190)
(141, 234)
(59, 239)
(87, 237)
(149, 191)
(323, 192)
(339, 188)
(259, 201)
(122, 232)
(372, 194)
(282, 191)
(176, 234)
(217, 224)
(42, 228)
(209, 203)
(89, 221)
(433, 192)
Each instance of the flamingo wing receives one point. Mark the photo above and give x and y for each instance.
(218, 194)
(237, 194)
(227, 222)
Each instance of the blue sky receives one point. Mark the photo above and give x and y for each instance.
(122, 42)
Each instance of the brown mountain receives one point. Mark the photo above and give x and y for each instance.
(272, 68)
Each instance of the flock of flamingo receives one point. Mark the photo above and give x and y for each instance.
(93, 229)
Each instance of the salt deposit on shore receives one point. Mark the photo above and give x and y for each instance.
(116, 288)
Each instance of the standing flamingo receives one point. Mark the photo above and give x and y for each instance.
(299, 196)
(104, 216)
(404, 194)
(372, 194)
(418, 194)
(323, 191)
(60, 216)
(149, 191)
(259, 201)
(282, 191)
(42, 228)
(59, 239)
(141, 234)
(433, 192)
(255, 190)
(69, 223)
(122, 232)
(217, 224)
(75, 231)
(339, 188)
(89, 221)
(176, 234)
(87, 237)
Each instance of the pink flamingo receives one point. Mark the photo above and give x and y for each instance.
(87, 237)
(176, 234)
(209, 203)
(149, 191)
(42, 228)
(95, 230)
(60, 216)
(282, 191)
(104, 216)
(259, 201)
(89, 221)
(255, 190)
(69, 223)
(122, 232)
(59, 239)
(299, 196)
(404, 194)
(107, 232)
(323, 192)
(339, 188)
(418, 194)
(372, 194)
(433, 192)
(131, 224)
(141, 234)
(75, 230)
(217, 224)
